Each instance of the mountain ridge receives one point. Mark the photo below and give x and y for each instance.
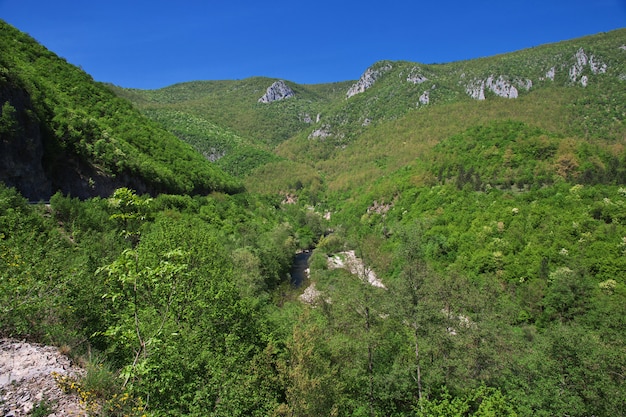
(496, 226)
(507, 75)
(320, 122)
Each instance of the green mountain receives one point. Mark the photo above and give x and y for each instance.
(464, 223)
(397, 111)
(62, 131)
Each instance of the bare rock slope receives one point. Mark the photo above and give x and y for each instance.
(27, 381)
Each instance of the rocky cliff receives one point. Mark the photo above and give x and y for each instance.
(21, 143)
(367, 80)
(34, 162)
(277, 91)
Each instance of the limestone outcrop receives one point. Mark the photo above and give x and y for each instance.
(500, 86)
(27, 380)
(416, 77)
(356, 266)
(424, 98)
(277, 91)
(476, 89)
(367, 80)
(321, 133)
(595, 65)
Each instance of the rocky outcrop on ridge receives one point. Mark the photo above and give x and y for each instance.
(416, 77)
(500, 86)
(583, 61)
(424, 98)
(277, 91)
(367, 80)
(583, 66)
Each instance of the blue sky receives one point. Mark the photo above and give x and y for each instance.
(152, 44)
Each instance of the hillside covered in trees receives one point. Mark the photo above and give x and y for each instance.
(61, 130)
(465, 222)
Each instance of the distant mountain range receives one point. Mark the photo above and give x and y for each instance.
(352, 132)
(63, 131)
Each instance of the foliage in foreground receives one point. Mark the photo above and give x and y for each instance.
(172, 291)
(182, 297)
(499, 235)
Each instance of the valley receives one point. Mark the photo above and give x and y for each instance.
(460, 232)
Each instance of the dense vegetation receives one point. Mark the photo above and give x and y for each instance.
(174, 292)
(83, 121)
(498, 228)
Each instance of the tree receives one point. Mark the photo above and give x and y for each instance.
(145, 297)
(131, 211)
(308, 373)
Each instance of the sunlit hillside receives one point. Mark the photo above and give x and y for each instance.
(424, 240)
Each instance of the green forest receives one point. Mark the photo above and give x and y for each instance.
(465, 257)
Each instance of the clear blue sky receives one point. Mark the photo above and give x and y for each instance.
(152, 44)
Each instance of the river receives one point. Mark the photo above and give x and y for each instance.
(299, 268)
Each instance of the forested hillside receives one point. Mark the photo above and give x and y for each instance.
(61, 130)
(465, 222)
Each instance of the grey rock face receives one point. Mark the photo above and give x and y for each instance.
(476, 90)
(36, 173)
(367, 80)
(321, 133)
(277, 91)
(416, 77)
(424, 98)
(582, 61)
(500, 86)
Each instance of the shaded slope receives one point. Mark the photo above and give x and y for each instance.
(80, 138)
